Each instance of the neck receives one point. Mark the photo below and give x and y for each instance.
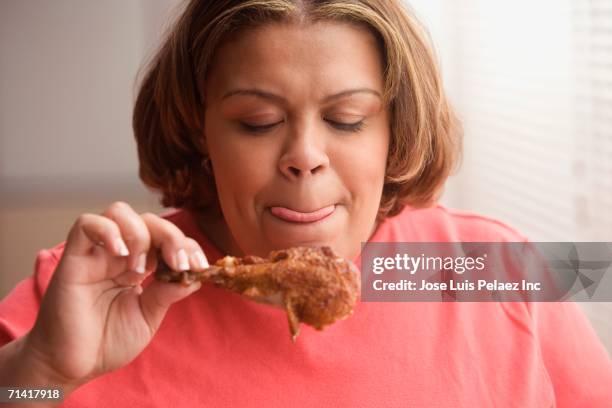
(216, 230)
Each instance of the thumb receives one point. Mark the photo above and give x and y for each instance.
(158, 296)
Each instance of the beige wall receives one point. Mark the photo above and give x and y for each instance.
(67, 72)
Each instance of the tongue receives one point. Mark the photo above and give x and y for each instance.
(296, 216)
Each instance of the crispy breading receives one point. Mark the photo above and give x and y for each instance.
(313, 284)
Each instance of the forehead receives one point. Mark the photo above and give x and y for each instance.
(305, 59)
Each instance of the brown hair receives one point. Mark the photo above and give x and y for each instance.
(168, 116)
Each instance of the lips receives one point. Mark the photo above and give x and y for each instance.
(290, 215)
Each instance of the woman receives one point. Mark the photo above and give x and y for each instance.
(270, 124)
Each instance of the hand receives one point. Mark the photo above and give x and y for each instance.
(95, 316)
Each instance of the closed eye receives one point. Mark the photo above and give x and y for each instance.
(259, 128)
(347, 127)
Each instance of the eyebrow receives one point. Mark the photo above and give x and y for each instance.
(268, 95)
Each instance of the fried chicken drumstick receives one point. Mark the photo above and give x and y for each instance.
(314, 285)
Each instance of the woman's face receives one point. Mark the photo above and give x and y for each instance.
(298, 136)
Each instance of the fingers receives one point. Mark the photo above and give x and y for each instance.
(90, 230)
(179, 252)
(134, 232)
(197, 259)
(137, 238)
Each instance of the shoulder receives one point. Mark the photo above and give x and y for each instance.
(19, 308)
(480, 226)
(440, 223)
(178, 216)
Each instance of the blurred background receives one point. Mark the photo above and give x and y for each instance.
(531, 81)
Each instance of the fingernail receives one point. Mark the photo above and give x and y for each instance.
(120, 247)
(141, 263)
(182, 260)
(201, 259)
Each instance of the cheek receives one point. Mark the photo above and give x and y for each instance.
(376, 152)
(374, 163)
(363, 167)
(232, 164)
(242, 166)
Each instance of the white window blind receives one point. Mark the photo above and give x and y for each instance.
(532, 82)
(592, 45)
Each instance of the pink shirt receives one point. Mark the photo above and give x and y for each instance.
(216, 348)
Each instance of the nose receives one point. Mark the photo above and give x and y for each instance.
(304, 155)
